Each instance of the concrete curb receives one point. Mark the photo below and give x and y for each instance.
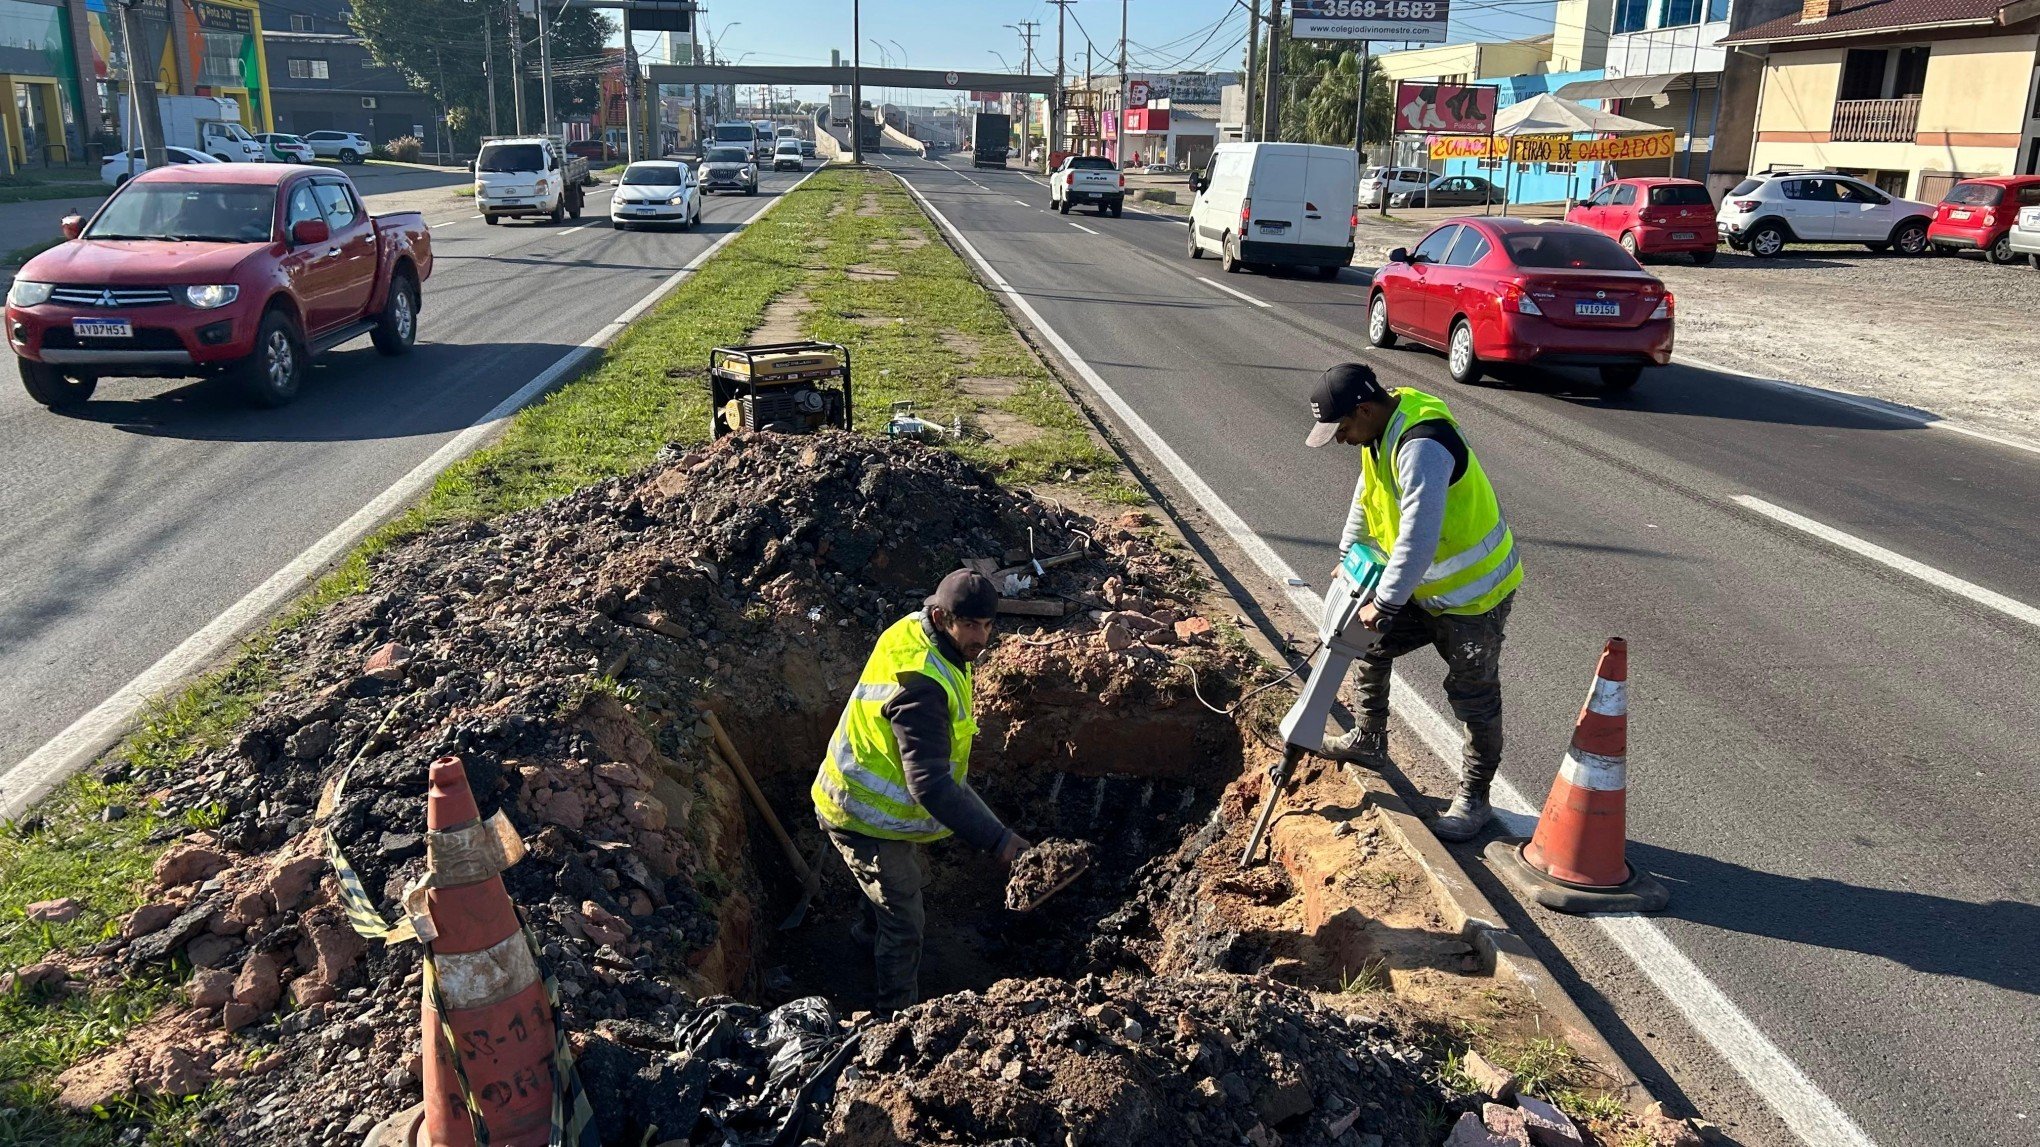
(1468, 912)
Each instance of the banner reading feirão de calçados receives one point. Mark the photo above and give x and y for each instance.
(1553, 148)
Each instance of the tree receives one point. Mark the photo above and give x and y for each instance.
(1317, 92)
(437, 46)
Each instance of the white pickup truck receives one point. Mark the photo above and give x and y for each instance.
(1087, 179)
(528, 175)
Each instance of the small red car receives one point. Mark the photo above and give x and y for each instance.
(1653, 217)
(1494, 290)
(1977, 215)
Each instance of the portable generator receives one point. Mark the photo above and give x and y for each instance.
(793, 388)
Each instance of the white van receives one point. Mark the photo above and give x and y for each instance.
(1277, 205)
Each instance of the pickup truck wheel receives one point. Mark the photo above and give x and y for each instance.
(559, 211)
(349, 155)
(490, 220)
(574, 203)
(271, 376)
(1064, 207)
(53, 388)
(396, 329)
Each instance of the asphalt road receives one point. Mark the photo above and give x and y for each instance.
(1832, 762)
(130, 523)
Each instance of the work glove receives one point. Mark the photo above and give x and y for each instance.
(1011, 848)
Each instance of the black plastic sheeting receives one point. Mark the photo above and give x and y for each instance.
(765, 1076)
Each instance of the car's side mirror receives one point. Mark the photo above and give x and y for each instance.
(72, 225)
(1399, 255)
(308, 232)
(1196, 185)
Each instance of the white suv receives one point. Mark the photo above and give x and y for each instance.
(345, 146)
(1381, 183)
(1773, 208)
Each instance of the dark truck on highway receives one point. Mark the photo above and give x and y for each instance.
(991, 135)
(246, 271)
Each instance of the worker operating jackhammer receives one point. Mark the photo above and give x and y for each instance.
(896, 773)
(1426, 558)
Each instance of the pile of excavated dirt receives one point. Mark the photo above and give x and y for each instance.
(563, 653)
(1194, 1059)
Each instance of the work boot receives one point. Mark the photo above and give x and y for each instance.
(1361, 747)
(1464, 820)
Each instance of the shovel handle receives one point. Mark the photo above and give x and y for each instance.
(735, 763)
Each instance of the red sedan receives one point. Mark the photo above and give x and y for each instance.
(1653, 217)
(1977, 215)
(1518, 291)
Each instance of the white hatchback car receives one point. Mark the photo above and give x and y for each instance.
(1379, 183)
(116, 169)
(656, 191)
(1771, 209)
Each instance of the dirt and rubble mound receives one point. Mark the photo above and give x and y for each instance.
(1194, 1059)
(1044, 869)
(564, 653)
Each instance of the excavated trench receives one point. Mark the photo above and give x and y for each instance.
(1136, 787)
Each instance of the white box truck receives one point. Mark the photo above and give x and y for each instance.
(211, 124)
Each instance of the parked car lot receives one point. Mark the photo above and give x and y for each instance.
(1978, 214)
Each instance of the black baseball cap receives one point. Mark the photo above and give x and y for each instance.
(1340, 391)
(966, 593)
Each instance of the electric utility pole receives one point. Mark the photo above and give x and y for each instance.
(694, 57)
(1026, 69)
(629, 91)
(1360, 110)
(1250, 102)
(1055, 108)
(1271, 88)
(148, 117)
(489, 69)
(1119, 137)
(517, 66)
(545, 75)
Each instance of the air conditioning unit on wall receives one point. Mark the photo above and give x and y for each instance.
(368, 102)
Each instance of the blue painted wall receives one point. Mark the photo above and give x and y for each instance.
(1534, 182)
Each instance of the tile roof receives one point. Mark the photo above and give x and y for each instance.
(1861, 17)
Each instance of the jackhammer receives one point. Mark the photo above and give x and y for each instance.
(1341, 638)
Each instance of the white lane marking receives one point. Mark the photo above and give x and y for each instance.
(1870, 405)
(1023, 203)
(1803, 1106)
(1236, 294)
(37, 774)
(1084, 229)
(2010, 607)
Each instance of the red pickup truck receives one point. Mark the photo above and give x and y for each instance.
(243, 270)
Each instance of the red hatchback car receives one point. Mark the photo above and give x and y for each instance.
(1653, 217)
(1977, 215)
(1519, 291)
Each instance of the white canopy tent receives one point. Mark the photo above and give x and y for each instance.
(1547, 114)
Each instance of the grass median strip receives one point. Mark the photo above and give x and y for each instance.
(847, 258)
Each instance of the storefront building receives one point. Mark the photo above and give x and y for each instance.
(39, 105)
(197, 47)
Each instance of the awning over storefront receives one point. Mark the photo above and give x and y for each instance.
(1626, 88)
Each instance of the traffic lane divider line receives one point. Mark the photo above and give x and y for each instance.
(1870, 405)
(1264, 305)
(1807, 1110)
(1939, 579)
(38, 774)
(1084, 229)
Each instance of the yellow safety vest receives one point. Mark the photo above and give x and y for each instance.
(862, 784)
(1476, 564)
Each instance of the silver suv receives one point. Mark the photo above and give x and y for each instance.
(1773, 208)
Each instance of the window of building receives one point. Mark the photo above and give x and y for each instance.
(1631, 15)
(1909, 73)
(301, 24)
(1679, 13)
(1863, 74)
(309, 70)
(1717, 9)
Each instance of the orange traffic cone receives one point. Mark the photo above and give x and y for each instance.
(488, 981)
(1575, 861)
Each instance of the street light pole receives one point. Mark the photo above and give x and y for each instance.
(147, 117)
(856, 81)
(1119, 136)
(545, 75)
(629, 91)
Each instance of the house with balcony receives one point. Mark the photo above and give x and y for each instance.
(1911, 94)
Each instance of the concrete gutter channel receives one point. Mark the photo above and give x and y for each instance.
(1466, 910)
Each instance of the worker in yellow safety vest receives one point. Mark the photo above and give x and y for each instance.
(895, 776)
(1424, 505)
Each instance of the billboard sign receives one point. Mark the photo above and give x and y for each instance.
(1444, 109)
(1403, 21)
(1554, 148)
(1136, 93)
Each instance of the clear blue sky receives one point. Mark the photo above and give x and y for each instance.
(1163, 35)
